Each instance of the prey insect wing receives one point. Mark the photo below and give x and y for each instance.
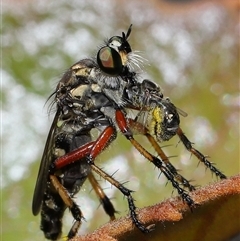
(181, 112)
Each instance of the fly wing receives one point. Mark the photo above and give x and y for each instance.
(181, 112)
(142, 117)
(43, 173)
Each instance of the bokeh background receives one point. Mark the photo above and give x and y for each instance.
(192, 48)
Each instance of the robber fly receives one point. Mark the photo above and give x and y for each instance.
(70, 151)
(95, 94)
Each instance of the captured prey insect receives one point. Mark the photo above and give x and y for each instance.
(95, 94)
(158, 119)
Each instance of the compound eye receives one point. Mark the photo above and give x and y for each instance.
(109, 61)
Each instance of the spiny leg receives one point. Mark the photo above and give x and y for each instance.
(143, 130)
(90, 151)
(198, 154)
(168, 174)
(122, 124)
(126, 192)
(105, 201)
(75, 210)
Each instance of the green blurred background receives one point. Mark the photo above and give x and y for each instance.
(193, 54)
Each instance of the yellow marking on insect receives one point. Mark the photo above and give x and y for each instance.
(96, 88)
(124, 57)
(155, 121)
(81, 70)
(79, 91)
(59, 152)
(65, 238)
(60, 123)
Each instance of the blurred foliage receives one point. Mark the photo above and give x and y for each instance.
(194, 57)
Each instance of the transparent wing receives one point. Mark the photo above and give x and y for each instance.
(181, 112)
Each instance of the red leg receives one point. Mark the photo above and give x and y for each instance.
(124, 128)
(91, 149)
(73, 155)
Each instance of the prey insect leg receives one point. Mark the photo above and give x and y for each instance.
(75, 210)
(143, 130)
(105, 201)
(122, 123)
(198, 154)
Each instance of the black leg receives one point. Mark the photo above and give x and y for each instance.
(105, 201)
(126, 192)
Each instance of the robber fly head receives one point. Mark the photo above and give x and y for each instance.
(113, 56)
